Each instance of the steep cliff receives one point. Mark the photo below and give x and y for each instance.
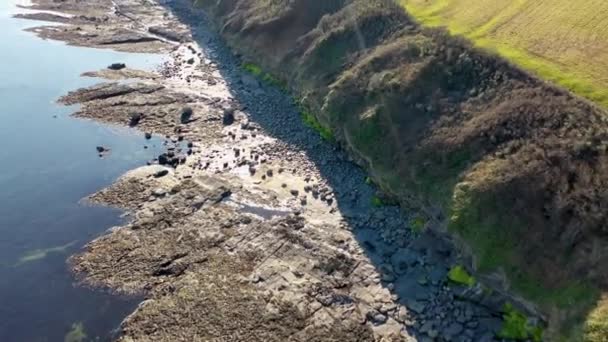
(518, 166)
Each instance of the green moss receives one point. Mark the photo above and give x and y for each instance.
(377, 202)
(39, 254)
(516, 326)
(76, 334)
(460, 276)
(418, 224)
(258, 72)
(312, 122)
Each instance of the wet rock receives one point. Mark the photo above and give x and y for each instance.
(135, 119)
(294, 192)
(148, 135)
(190, 61)
(117, 66)
(164, 159)
(186, 115)
(376, 318)
(102, 149)
(416, 306)
(161, 173)
(452, 330)
(228, 117)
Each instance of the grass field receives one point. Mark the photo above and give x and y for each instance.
(563, 41)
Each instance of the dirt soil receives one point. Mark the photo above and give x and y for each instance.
(250, 227)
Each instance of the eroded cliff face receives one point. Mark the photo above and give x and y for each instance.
(518, 166)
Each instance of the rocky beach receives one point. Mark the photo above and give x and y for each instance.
(250, 226)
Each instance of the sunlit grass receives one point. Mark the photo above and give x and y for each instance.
(562, 41)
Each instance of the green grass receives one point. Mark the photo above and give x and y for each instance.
(312, 122)
(258, 72)
(559, 40)
(516, 326)
(460, 276)
(485, 229)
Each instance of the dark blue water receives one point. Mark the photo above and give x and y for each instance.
(47, 165)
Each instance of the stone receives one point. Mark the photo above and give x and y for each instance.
(117, 66)
(426, 327)
(148, 135)
(101, 149)
(453, 329)
(163, 159)
(190, 61)
(433, 333)
(376, 318)
(416, 306)
(401, 316)
(186, 115)
(228, 117)
(159, 192)
(161, 173)
(134, 119)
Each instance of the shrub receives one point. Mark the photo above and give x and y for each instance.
(516, 326)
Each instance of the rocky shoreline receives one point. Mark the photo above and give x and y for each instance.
(250, 227)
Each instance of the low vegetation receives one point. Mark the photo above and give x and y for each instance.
(517, 165)
(312, 122)
(257, 71)
(459, 275)
(517, 327)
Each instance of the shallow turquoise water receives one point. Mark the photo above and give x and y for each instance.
(47, 165)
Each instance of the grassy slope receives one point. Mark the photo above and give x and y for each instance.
(563, 41)
(518, 164)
